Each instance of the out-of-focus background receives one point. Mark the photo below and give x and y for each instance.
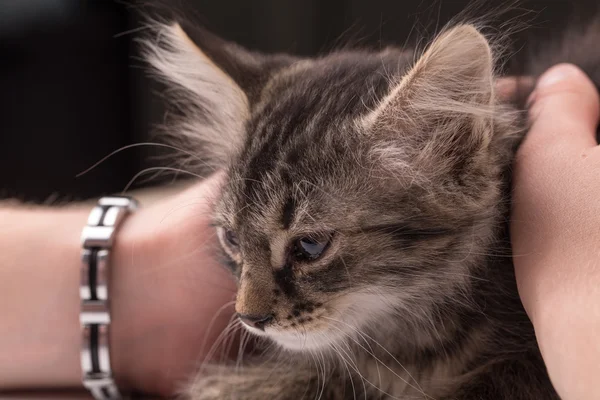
(73, 87)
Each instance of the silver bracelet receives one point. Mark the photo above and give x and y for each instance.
(97, 240)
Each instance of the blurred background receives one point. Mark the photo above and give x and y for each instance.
(73, 87)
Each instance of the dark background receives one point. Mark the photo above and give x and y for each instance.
(73, 87)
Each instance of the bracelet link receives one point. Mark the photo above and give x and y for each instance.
(94, 312)
(98, 236)
(102, 387)
(94, 275)
(97, 239)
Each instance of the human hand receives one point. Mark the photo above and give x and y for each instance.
(555, 228)
(166, 287)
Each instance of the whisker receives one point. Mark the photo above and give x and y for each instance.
(129, 146)
(321, 371)
(418, 388)
(130, 31)
(212, 322)
(142, 172)
(314, 360)
(349, 373)
(232, 326)
(365, 379)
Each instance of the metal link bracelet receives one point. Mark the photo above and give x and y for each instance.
(97, 240)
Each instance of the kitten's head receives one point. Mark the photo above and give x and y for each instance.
(362, 187)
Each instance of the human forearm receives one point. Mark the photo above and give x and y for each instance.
(165, 288)
(39, 279)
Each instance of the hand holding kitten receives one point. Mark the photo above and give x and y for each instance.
(555, 228)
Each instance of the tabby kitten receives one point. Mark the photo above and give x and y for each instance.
(364, 215)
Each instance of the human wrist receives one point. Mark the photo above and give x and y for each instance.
(130, 248)
(154, 303)
(567, 327)
(560, 294)
(166, 288)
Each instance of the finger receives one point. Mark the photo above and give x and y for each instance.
(506, 87)
(564, 111)
(513, 88)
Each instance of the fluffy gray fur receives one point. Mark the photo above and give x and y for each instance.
(402, 162)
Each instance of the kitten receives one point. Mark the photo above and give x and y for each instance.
(364, 215)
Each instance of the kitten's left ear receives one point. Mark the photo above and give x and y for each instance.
(448, 91)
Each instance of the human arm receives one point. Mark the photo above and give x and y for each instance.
(166, 286)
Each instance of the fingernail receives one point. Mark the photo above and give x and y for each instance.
(552, 76)
(557, 74)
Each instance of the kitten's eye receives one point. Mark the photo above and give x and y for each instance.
(309, 249)
(231, 238)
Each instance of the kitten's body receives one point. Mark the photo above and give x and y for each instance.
(406, 165)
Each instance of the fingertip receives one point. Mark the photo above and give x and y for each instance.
(560, 73)
(565, 105)
(567, 79)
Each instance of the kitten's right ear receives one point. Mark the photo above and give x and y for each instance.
(448, 94)
(214, 84)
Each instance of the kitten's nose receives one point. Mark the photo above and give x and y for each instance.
(256, 321)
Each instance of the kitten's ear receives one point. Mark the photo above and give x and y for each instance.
(449, 91)
(250, 70)
(213, 83)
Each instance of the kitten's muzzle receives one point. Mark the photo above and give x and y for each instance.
(256, 321)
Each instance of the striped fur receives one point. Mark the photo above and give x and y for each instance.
(404, 162)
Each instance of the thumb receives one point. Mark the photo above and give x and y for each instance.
(564, 111)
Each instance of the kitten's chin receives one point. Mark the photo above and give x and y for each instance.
(297, 341)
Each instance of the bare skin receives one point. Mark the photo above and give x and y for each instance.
(166, 288)
(167, 285)
(556, 229)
